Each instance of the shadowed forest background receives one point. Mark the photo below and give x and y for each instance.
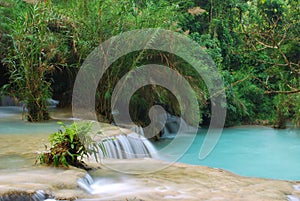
(254, 44)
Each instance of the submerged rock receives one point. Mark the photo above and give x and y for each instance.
(26, 184)
(39, 195)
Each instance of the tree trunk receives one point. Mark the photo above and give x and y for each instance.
(37, 111)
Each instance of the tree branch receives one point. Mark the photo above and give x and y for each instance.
(283, 92)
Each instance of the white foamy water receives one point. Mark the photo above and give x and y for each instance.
(108, 188)
(293, 198)
(127, 147)
(297, 187)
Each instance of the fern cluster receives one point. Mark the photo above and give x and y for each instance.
(70, 145)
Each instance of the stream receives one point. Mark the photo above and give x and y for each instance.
(260, 152)
(254, 151)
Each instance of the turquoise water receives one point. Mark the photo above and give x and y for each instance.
(250, 151)
(12, 122)
(20, 141)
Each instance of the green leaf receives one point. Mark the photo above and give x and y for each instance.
(72, 155)
(55, 160)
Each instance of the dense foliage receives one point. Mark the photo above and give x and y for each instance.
(70, 145)
(255, 45)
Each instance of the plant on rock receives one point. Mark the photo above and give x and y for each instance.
(70, 145)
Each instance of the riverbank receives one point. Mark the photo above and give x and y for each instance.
(19, 148)
(60, 184)
(187, 182)
(175, 182)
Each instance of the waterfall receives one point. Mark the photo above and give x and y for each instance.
(127, 146)
(85, 183)
(136, 145)
(13, 101)
(170, 129)
(138, 129)
(297, 187)
(172, 126)
(293, 198)
(9, 101)
(107, 187)
(39, 195)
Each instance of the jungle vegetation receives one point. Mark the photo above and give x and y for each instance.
(70, 144)
(254, 44)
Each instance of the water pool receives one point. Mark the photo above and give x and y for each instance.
(20, 141)
(250, 151)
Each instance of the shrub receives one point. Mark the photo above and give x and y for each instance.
(70, 145)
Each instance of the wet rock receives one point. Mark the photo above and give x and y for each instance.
(39, 195)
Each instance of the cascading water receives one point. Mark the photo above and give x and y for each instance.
(136, 145)
(138, 129)
(172, 126)
(107, 187)
(127, 146)
(292, 198)
(13, 101)
(39, 195)
(85, 183)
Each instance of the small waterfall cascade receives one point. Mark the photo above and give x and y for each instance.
(135, 144)
(39, 195)
(127, 146)
(85, 183)
(107, 187)
(293, 198)
(297, 187)
(172, 126)
(170, 129)
(138, 129)
(13, 101)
